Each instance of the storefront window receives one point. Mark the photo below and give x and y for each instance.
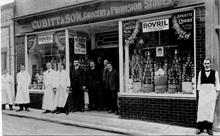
(44, 48)
(161, 54)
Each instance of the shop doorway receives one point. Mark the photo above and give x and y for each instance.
(101, 43)
(111, 54)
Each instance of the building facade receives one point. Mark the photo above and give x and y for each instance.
(7, 38)
(158, 48)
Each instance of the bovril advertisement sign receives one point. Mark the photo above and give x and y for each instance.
(156, 25)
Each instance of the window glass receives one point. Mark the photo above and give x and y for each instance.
(42, 49)
(161, 54)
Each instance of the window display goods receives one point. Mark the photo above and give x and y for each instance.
(160, 61)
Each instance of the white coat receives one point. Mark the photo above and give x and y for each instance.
(8, 93)
(23, 80)
(207, 99)
(49, 94)
(63, 81)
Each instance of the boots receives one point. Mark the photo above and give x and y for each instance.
(3, 106)
(10, 107)
(209, 128)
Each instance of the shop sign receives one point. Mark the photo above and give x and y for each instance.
(59, 38)
(80, 45)
(100, 10)
(157, 25)
(183, 24)
(45, 39)
(31, 42)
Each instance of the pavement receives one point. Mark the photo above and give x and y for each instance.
(106, 122)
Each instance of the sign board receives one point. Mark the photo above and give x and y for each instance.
(80, 45)
(45, 39)
(98, 11)
(182, 23)
(157, 25)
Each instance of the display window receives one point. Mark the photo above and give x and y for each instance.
(161, 54)
(43, 48)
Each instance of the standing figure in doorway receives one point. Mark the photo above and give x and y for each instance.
(22, 96)
(208, 83)
(105, 94)
(63, 83)
(93, 82)
(8, 94)
(112, 87)
(78, 86)
(50, 89)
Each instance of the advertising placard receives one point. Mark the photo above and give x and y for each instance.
(80, 45)
(45, 39)
(156, 25)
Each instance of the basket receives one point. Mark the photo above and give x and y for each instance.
(173, 88)
(147, 88)
(161, 89)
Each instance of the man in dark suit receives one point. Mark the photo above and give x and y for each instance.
(112, 86)
(78, 86)
(93, 80)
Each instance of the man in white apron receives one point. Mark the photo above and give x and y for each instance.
(8, 94)
(50, 89)
(63, 82)
(22, 96)
(208, 83)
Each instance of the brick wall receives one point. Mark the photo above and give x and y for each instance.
(200, 37)
(36, 100)
(172, 111)
(19, 51)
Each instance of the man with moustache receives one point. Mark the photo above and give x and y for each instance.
(22, 96)
(8, 94)
(208, 84)
(63, 83)
(93, 80)
(78, 86)
(112, 86)
(50, 90)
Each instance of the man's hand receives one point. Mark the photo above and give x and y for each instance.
(54, 89)
(84, 87)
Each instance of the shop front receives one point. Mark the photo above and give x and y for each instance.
(156, 46)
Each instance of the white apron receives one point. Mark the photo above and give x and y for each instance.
(49, 94)
(22, 96)
(62, 82)
(8, 94)
(49, 98)
(61, 97)
(216, 124)
(206, 105)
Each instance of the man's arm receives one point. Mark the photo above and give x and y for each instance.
(217, 84)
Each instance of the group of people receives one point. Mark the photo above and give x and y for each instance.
(22, 97)
(101, 83)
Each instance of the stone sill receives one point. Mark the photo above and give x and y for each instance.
(160, 96)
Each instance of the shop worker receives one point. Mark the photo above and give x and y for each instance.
(78, 86)
(105, 94)
(50, 89)
(208, 84)
(63, 84)
(93, 80)
(22, 96)
(8, 94)
(112, 87)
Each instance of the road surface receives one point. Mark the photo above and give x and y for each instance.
(12, 125)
